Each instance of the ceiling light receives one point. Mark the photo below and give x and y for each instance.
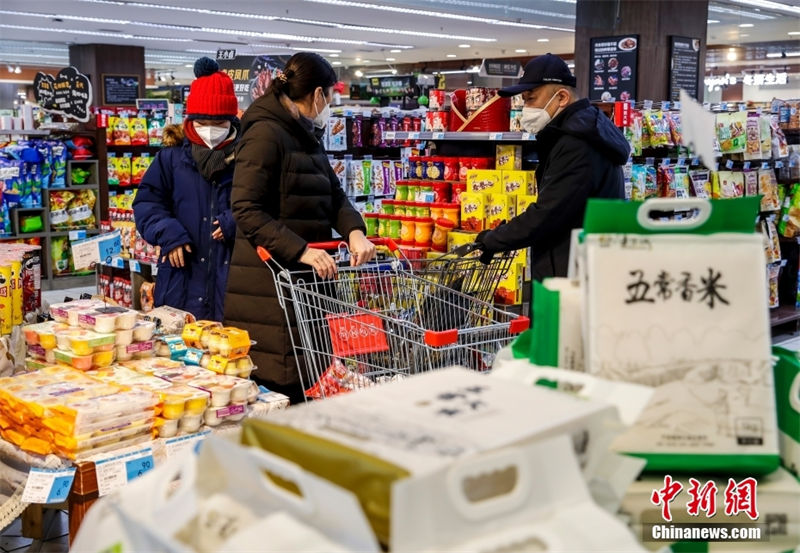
(18, 70)
(395, 51)
(359, 73)
(384, 30)
(710, 21)
(746, 25)
(520, 50)
(92, 33)
(336, 63)
(394, 71)
(741, 13)
(188, 65)
(451, 55)
(438, 14)
(365, 61)
(296, 48)
(732, 55)
(333, 56)
(743, 35)
(390, 59)
(358, 59)
(176, 83)
(794, 33)
(464, 46)
(770, 5)
(543, 40)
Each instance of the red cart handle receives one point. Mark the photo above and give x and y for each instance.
(332, 245)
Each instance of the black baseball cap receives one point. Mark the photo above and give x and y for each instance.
(546, 69)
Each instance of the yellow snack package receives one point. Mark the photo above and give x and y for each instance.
(473, 211)
(6, 316)
(487, 181)
(16, 291)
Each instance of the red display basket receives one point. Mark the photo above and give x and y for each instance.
(493, 116)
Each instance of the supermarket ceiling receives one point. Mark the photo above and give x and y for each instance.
(347, 32)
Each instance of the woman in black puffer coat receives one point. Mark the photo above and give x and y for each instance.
(284, 196)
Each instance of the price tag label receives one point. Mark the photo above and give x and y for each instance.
(75, 235)
(765, 165)
(527, 136)
(746, 165)
(389, 135)
(116, 472)
(648, 104)
(136, 267)
(665, 106)
(742, 107)
(677, 105)
(437, 136)
(413, 136)
(100, 249)
(665, 161)
(175, 446)
(724, 106)
(729, 164)
(778, 164)
(681, 161)
(48, 486)
(495, 136)
(695, 161)
(792, 162)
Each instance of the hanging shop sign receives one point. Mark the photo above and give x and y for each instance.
(715, 82)
(226, 54)
(69, 93)
(120, 90)
(684, 68)
(251, 75)
(765, 79)
(500, 68)
(392, 87)
(614, 65)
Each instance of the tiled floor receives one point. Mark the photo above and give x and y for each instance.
(56, 540)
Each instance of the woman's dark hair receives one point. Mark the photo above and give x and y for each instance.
(304, 72)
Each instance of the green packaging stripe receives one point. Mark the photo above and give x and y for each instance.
(545, 339)
(619, 217)
(724, 465)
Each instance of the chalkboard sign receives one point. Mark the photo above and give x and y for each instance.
(614, 63)
(684, 68)
(120, 90)
(499, 68)
(69, 93)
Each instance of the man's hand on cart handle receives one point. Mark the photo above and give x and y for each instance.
(361, 249)
(320, 261)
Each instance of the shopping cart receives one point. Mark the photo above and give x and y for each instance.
(382, 321)
(462, 270)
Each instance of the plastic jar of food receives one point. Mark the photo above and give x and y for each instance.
(387, 207)
(383, 225)
(401, 191)
(442, 228)
(413, 190)
(423, 210)
(395, 225)
(371, 220)
(423, 232)
(441, 191)
(437, 210)
(456, 189)
(452, 212)
(407, 230)
(451, 168)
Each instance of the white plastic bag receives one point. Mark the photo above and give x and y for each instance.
(224, 502)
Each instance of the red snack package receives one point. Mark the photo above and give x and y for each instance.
(451, 168)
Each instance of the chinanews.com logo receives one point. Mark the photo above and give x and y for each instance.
(732, 524)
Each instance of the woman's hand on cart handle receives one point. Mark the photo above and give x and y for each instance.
(486, 254)
(361, 249)
(320, 261)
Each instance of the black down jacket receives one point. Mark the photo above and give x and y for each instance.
(284, 195)
(580, 157)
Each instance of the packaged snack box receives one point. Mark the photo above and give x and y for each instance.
(497, 209)
(517, 182)
(473, 211)
(486, 181)
(509, 157)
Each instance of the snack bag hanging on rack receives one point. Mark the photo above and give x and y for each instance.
(679, 303)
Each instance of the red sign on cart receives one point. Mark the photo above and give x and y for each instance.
(356, 334)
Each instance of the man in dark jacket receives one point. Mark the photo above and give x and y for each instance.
(580, 157)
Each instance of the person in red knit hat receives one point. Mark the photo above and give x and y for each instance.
(183, 204)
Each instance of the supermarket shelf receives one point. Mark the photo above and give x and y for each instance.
(89, 232)
(75, 187)
(24, 132)
(69, 281)
(131, 147)
(784, 314)
(23, 235)
(491, 136)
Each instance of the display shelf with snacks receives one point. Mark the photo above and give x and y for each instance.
(463, 135)
(48, 198)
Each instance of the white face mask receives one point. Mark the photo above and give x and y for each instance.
(213, 135)
(535, 119)
(321, 119)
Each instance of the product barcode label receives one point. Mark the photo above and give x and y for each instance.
(115, 472)
(389, 135)
(495, 136)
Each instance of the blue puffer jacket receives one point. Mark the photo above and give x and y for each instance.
(175, 205)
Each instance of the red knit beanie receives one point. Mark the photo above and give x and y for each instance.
(211, 95)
